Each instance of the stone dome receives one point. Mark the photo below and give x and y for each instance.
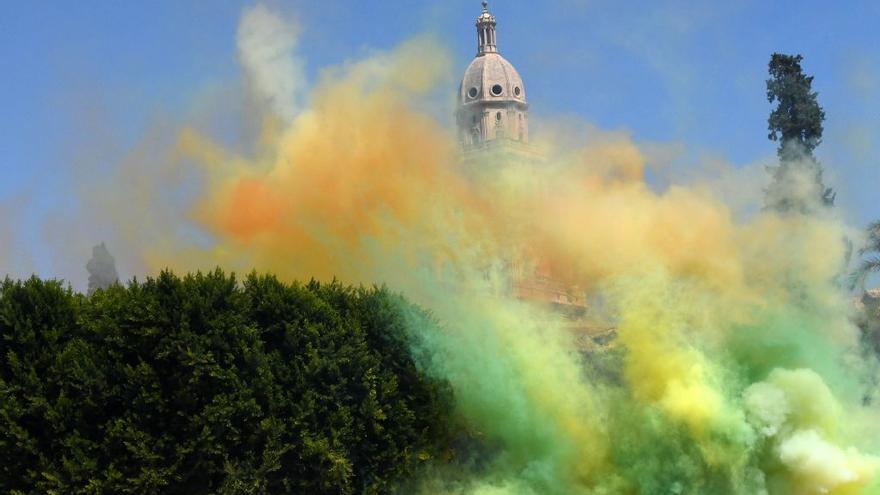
(491, 78)
(492, 107)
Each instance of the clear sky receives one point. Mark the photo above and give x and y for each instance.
(666, 71)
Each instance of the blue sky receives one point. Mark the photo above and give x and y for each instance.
(666, 71)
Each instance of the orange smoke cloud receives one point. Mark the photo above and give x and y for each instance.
(360, 165)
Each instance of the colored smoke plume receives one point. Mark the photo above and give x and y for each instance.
(266, 48)
(737, 368)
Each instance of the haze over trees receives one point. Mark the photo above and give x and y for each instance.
(796, 123)
(870, 300)
(870, 253)
(101, 268)
(202, 384)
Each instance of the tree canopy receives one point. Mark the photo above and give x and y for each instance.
(798, 116)
(202, 384)
(797, 124)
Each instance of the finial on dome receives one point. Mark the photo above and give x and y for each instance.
(486, 31)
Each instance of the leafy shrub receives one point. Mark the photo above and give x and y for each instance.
(202, 384)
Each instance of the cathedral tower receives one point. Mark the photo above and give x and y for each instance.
(492, 106)
(492, 117)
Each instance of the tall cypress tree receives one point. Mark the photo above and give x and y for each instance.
(796, 123)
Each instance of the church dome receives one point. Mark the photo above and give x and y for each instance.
(490, 77)
(492, 106)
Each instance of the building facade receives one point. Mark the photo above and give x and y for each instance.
(493, 127)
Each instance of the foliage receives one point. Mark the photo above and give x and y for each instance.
(870, 254)
(798, 116)
(796, 123)
(204, 385)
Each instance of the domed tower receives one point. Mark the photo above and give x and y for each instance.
(492, 106)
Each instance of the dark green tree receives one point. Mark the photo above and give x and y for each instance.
(796, 123)
(202, 384)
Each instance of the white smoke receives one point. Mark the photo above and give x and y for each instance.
(822, 465)
(266, 49)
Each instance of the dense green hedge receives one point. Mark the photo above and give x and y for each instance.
(203, 384)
